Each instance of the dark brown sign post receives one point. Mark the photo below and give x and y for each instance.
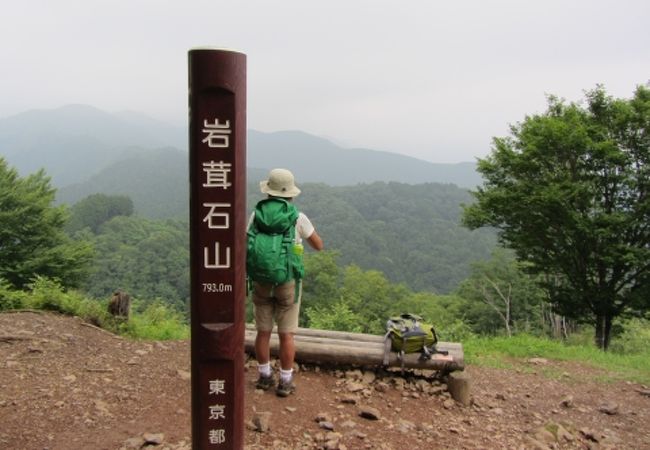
(217, 102)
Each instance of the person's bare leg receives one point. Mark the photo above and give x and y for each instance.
(263, 347)
(287, 350)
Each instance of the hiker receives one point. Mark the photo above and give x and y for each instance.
(277, 286)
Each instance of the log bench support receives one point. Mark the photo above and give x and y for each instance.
(324, 346)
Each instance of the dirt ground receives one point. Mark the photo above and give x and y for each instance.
(65, 385)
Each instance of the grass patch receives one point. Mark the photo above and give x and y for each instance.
(484, 351)
(156, 321)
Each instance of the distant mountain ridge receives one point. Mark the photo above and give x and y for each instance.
(75, 143)
(319, 160)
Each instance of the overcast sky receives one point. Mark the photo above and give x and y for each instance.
(431, 79)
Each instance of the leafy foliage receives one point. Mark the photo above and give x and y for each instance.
(32, 240)
(569, 192)
(337, 317)
(96, 209)
(500, 296)
(146, 258)
(351, 299)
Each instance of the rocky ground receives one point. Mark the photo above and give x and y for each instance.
(67, 385)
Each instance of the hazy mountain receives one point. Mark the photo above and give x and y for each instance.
(155, 179)
(75, 143)
(318, 160)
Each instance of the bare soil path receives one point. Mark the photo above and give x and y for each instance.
(65, 385)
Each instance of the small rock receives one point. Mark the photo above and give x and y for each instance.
(262, 420)
(405, 426)
(449, 403)
(322, 417)
(349, 399)
(567, 402)
(437, 390)
(381, 387)
(184, 374)
(589, 434)
(359, 434)
(290, 409)
(354, 374)
(538, 361)
(369, 413)
(611, 409)
(355, 387)
(369, 377)
(133, 443)
(326, 425)
(70, 378)
(153, 438)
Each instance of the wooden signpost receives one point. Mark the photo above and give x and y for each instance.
(217, 153)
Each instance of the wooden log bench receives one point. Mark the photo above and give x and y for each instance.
(324, 346)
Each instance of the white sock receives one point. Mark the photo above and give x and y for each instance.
(285, 375)
(264, 369)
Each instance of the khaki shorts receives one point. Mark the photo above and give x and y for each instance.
(276, 304)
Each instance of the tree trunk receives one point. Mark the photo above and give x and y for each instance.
(603, 331)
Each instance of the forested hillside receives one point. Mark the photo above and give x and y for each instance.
(410, 233)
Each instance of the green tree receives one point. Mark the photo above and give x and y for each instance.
(147, 258)
(569, 191)
(32, 239)
(499, 295)
(96, 209)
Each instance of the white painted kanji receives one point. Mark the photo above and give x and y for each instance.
(217, 387)
(216, 262)
(217, 134)
(217, 436)
(217, 174)
(217, 412)
(212, 217)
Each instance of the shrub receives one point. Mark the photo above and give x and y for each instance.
(338, 317)
(157, 322)
(635, 339)
(11, 298)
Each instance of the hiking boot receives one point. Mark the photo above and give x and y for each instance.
(285, 388)
(265, 383)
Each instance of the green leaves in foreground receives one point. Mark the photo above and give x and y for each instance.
(32, 238)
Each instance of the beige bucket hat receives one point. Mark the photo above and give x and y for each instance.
(280, 184)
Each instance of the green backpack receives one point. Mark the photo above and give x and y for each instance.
(407, 333)
(270, 255)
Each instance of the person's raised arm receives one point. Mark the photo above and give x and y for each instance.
(315, 241)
